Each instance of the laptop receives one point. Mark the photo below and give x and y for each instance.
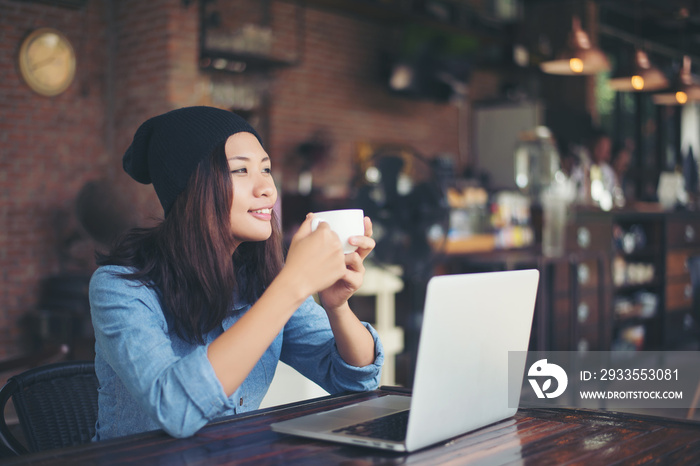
(470, 323)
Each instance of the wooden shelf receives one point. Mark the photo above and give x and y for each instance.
(630, 287)
(219, 52)
(239, 62)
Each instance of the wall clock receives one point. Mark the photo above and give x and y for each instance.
(47, 61)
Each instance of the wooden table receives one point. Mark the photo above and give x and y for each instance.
(534, 436)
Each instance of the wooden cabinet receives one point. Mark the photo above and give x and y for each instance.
(682, 242)
(583, 308)
(650, 296)
(579, 306)
(683, 230)
(616, 292)
(678, 291)
(591, 311)
(561, 314)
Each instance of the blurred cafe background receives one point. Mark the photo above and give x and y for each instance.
(478, 135)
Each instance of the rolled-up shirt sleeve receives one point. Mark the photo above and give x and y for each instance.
(177, 389)
(309, 347)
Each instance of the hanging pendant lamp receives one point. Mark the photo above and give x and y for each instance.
(683, 90)
(580, 57)
(640, 76)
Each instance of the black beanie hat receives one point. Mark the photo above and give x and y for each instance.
(167, 148)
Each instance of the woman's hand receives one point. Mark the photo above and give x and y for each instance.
(316, 264)
(336, 295)
(315, 259)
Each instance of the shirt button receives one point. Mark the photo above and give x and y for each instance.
(240, 402)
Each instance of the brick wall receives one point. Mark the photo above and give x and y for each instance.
(49, 147)
(339, 88)
(154, 71)
(137, 59)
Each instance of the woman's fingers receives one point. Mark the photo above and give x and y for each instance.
(365, 243)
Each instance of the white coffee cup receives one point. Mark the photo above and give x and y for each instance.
(345, 223)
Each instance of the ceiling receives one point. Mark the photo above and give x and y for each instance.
(670, 27)
(665, 27)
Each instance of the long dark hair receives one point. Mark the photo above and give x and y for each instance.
(187, 256)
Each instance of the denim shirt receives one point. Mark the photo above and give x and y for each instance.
(151, 379)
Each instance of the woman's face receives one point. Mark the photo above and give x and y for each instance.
(602, 150)
(254, 191)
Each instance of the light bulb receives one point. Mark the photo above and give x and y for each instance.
(637, 82)
(681, 97)
(576, 65)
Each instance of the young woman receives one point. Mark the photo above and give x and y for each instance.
(191, 316)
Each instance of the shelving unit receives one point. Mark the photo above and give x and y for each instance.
(621, 284)
(680, 329)
(647, 278)
(637, 268)
(244, 44)
(240, 49)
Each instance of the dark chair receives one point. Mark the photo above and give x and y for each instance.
(56, 406)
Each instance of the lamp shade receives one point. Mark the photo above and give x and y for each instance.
(684, 89)
(580, 57)
(640, 76)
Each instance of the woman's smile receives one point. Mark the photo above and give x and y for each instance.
(264, 214)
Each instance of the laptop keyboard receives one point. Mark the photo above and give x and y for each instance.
(391, 427)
